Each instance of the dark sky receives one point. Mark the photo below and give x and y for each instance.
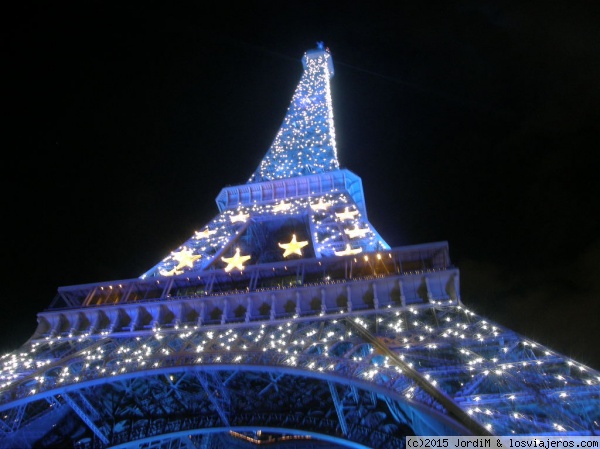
(472, 122)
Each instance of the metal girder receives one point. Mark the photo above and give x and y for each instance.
(217, 403)
(85, 418)
(5, 428)
(273, 383)
(19, 417)
(339, 407)
(88, 406)
(438, 395)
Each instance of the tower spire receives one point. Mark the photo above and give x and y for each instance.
(305, 142)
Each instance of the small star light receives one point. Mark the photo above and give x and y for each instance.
(236, 261)
(185, 258)
(204, 234)
(321, 205)
(281, 207)
(356, 232)
(239, 217)
(346, 215)
(294, 247)
(348, 251)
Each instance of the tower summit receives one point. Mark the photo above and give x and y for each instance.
(305, 142)
(286, 319)
(297, 192)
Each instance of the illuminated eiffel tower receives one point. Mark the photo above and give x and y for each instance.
(286, 320)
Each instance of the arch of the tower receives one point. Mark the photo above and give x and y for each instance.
(325, 408)
(342, 408)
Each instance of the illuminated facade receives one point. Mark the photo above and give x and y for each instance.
(286, 320)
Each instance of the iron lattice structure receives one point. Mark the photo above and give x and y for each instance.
(287, 320)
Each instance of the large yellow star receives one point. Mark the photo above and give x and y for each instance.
(204, 234)
(348, 251)
(282, 207)
(239, 217)
(356, 232)
(346, 215)
(173, 272)
(185, 258)
(236, 261)
(321, 205)
(294, 247)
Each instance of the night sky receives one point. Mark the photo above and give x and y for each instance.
(468, 122)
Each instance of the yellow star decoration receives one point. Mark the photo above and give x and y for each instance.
(348, 251)
(236, 261)
(356, 232)
(173, 272)
(239, 217)
(204, 234)
(321, 205)
(346, 215)
(281, 207)
(294, 247)
(185, 258)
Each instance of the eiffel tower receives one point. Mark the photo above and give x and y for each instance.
(286, 320)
